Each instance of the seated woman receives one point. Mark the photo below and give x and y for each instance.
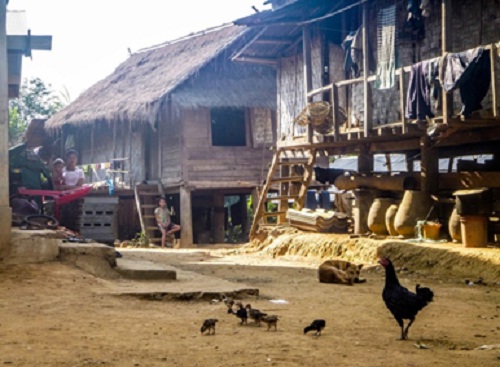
(73, 176)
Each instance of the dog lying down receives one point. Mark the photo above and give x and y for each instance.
(340, 272)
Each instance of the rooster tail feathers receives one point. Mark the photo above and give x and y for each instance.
(424, 293)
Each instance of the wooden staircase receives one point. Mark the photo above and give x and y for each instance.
(290, 174)
(146, 200)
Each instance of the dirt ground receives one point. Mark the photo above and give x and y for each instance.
(55, 315)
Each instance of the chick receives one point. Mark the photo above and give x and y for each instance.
(209, 324)
(240, 313)
(270, 320)
(229, 302)
(317, 325)
(255, 314)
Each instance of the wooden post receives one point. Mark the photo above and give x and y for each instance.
(402, 96)
(494, 101)
(114, 152)
(91, 160)
(367, 97)
(335, 112)
(429, 166)
(363, 197)
(365, 159)
(446, 47)
(130, 172)
(218, 218)
(5, 211)
(186, 217)
(306, 53)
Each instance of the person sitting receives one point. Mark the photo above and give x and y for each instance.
(164, 221)
(73, 176)
(57, 174)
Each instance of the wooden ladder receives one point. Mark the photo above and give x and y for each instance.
(290, 174)
(146, 200)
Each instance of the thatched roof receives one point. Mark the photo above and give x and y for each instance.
(137, 88)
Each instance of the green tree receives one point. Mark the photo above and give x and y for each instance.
(36, 100)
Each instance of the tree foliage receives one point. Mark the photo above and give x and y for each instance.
(36, 100)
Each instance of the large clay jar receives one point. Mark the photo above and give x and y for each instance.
(390, 215)
(454, 226)
(414, 206)
(376, 215)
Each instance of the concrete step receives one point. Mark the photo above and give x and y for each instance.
(145, 270)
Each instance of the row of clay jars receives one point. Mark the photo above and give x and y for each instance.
(384, 211)
(385, 217)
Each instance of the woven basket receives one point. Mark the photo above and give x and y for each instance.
(326, 127)
(315, 114)
(318, 112)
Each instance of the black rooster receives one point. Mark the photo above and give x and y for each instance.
(240, 313)
(317, 325)
(403, 304)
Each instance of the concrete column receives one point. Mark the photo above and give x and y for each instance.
(186, 217)
(5, 210)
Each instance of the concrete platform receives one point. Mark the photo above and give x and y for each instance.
(94, 258)
(145, 270)
(29, 247)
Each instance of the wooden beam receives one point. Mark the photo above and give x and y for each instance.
(367, 99)
(469, 180)
(274, 41)
(307, 60)
(248, 44)
(257, 60)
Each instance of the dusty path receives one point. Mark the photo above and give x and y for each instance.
(54, 315)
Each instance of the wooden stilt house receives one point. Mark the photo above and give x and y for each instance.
(418, 78)
(179, 119)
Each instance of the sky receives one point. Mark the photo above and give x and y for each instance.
(90, 38)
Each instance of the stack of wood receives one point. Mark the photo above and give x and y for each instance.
(319, 220)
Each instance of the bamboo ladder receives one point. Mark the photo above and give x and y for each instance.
(146, 200)
(290, 173)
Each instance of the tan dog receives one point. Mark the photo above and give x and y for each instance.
(340, 272)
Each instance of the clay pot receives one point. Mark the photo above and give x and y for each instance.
(376, 215)
(390, 215)
(454, 226)
(414, 206)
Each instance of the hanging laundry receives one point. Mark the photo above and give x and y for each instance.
(470, 71)
(353, 48)
(421, 89)
(414, 26)
(386, 50)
